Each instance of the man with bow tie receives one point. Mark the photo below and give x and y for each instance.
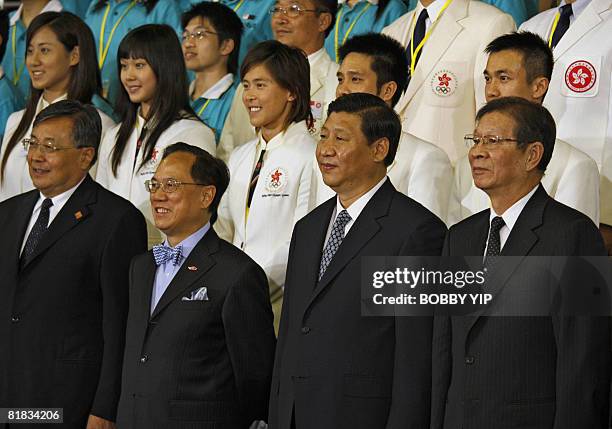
(200, 339)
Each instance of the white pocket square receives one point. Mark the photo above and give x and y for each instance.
(200, 294)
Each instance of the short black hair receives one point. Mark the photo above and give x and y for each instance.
(537, 56)
(389, 59)
(378, 120)
(207, 170)
(532, 123)
(86, 123)
(4, 31)
(224, 21)
(327, 6)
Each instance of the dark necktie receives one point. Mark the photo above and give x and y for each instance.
(494, 242)
(254, 178)
(334, 241)
(38, 230)
(562, 25)
(419, 33)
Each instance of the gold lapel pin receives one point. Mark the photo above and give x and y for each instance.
(78, 215)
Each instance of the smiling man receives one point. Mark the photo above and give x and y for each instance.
(334, 368)
(200, 340)
(67, 246)
(305, 24)
(530, 372)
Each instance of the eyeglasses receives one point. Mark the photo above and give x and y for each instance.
(490, 141)
(167, 185)
(199, 35)
(47, 147)
(292, 11)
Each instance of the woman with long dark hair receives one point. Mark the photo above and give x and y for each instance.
(154, 110)
(359, 17)
(111, 20)
(271, 175)
(61, 61)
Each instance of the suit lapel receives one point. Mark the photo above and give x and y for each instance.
(442, 36)
(19, 224)
(518, 245)
(202, 259)
(74, 212)
(365, 227)
(144, 280)
(587, 20)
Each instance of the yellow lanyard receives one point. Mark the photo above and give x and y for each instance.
(350, 29)
(103, 51)
(203, 108)
(238, 6)
(16, 76)
(553, 29)
(415, 52)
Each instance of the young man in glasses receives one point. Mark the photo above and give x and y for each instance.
(199, 339)
(211, 42)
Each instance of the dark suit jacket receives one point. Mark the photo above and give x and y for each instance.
(62, 317)
(204, 364)
(336, 368)
(523, 372)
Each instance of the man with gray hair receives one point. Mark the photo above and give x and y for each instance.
(66, 248)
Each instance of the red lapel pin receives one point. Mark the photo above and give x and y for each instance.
(78, 215)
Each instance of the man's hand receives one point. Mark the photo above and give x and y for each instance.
(94, 422)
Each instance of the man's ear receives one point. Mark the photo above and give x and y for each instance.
(539, 88)
(227, 47)
(207, 195)
(535, 153)
(86, 156)
(387, 91)
(380, 149)
(325, 21)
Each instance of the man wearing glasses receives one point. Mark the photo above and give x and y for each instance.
(305, 24)
(530, 372)
(200, 337)
(66, 250)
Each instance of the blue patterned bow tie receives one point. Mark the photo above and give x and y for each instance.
(163, 254)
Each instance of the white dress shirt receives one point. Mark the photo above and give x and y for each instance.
(354, 210)
(510, 217)
(577, 8)
(58, 201)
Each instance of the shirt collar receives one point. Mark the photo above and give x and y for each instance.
(295, 128)
(58, 200)
(43, 104)
(511, 215)
(355, 209)
(432, 10)
(190, 242)
(316, 56)
(577, 7)
(217, 90)
(374, 2)
(52, 6)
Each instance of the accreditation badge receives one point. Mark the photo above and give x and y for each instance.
(316, 107)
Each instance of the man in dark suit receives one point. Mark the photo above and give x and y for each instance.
(200, 337)
(65, 249)
(334, 368)
(530, 372)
